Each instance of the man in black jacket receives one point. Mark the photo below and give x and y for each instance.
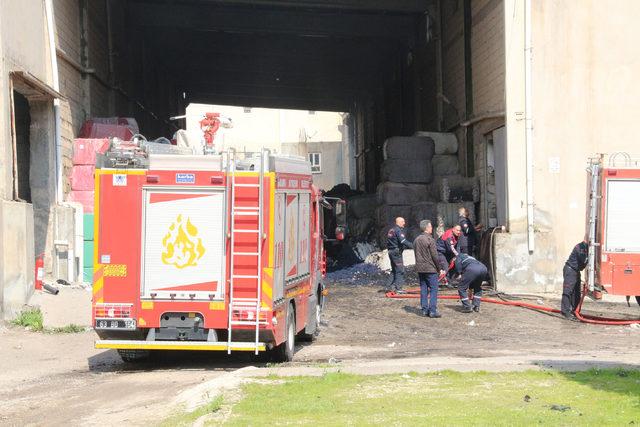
(427, 266)
(473, 274)
(396, 243)
(571, 279)
(469, 236)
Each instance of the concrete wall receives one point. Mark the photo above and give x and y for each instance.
(585, 96)
(23, 47)
(296, 132)
(17, 257)
(332, 161)
(267, 127)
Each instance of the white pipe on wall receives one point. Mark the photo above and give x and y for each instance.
(56, 102)
(529, 125)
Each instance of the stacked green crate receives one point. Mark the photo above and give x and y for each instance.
(88, 248)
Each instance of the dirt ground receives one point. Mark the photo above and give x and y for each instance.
(360, 315)
(51, 379)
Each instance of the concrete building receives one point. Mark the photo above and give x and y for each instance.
(321, 136)
(531, 89)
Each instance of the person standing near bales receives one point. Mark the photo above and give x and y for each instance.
(469, 237)
(571, 279)
(396, 243)
(428, 267)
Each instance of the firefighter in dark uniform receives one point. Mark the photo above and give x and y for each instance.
(469, 236)
(396, 243)
(571, 279)
(473, 274)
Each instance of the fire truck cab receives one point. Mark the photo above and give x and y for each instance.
(206, 252)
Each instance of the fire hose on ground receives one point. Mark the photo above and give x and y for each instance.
(585, 318)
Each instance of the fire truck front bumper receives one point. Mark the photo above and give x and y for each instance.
(179, 345)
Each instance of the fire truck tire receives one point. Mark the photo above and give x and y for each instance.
(132, 356)
(307, 335)
(284, 352)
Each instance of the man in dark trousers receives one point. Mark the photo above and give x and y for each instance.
(469, 236)
(428, 267)
(396, 243)
(571, 279)
(473, 274)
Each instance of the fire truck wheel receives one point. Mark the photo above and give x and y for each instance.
(284, 352)
(311, 335)
(132, 356)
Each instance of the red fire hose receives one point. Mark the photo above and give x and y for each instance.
(415, 293)
(585, 318)
(596, 320)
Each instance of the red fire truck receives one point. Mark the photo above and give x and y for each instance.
(612, 220)
(206, 252)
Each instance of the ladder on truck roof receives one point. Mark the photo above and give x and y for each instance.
(246, 304)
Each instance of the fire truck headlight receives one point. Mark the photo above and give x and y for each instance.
(274, 320)
(111, 312)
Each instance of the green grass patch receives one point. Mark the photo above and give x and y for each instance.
(69, 329)
(596, 397)
(188, 418)
(31, 319)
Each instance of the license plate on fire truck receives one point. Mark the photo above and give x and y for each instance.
(115, 324)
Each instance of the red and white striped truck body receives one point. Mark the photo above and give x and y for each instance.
(192, 253)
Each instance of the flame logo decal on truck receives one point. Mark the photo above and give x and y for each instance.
(182, 246)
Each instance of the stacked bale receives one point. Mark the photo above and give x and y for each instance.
(360, 218)
(406, 172)
(449, 189)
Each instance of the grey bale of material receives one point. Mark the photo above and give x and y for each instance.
(455, 188)
(387, 214)
(408, 148)
(445, 164)
(444, 143)
(362, 206)
(394, 193)
(360, 228)
(407, 171)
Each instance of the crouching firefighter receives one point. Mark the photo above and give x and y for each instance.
(473, 274)
(396, 243)
(571, 279)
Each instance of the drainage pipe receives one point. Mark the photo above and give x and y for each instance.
(529, 125)
(48, 4)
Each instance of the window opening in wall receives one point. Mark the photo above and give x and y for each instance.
(22, 152)
(316, 162)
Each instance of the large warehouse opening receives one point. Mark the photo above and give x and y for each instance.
(420, 84)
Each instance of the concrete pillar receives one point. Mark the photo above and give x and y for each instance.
(515, 115)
